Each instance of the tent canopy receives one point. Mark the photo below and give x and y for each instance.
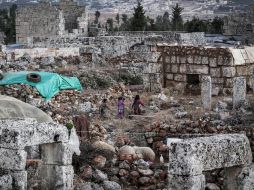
(49, 86)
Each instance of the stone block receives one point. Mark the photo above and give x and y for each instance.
(228, 71)
(242, 70)
(180, 78)
(221, 60)
(56, 177)
(183, 68)
(239, 92)
(176, 182)
(205, 60)
(12, 159)
(217, 80)
(206, 92)
(197, 60)
(56, 153)
(170, 76)
(198, 69)
(173, 59)
(183, 59)
(19, 180)
(190, 59)
(245, 180)
(208, 153)
(19, 133)
(213, 62)
(174, 68)
(229, 83)
(215, 72)
(6, 182)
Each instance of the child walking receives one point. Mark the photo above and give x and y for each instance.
(136, 105)
(120, 107)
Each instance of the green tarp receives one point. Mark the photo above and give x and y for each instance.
(50, 84)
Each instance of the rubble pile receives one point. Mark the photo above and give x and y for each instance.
(67, 103)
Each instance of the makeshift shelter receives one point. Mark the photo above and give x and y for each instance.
(48, 85)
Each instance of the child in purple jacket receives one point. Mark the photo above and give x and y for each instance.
(120, 107)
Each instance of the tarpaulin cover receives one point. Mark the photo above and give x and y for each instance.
(49, 86)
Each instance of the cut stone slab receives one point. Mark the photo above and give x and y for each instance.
(19, 133)
(56, 177)
(206, 92)
(6, 182)
(19, 180)
(239, 92)
(12, 159)
(192, 156)
(176, 182)
(56, 154)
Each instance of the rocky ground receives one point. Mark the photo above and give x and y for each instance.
(129, 153)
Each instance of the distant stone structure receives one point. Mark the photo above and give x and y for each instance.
(241, 24)
(46, 20)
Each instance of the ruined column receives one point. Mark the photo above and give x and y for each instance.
(206, 92)
(189, 158)
(239, 92)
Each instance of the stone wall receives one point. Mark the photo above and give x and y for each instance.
(180, 61)
(41, 52)
(37, 20)
(45, 20)
(240, 24)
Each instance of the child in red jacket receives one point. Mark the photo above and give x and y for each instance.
(136, 105)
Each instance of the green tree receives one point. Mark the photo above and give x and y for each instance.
(138, 21)
(166, 21)
(151, 24)
(125, 23)
(177, 21)
(159, 23)
(118, 19)
(8, 23)
(217, 26)
(97, 16)
(110, 25)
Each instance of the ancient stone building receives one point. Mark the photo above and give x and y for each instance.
(240, 25)
(187, 64)
(46, 20)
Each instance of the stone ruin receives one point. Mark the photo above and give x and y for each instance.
(57, 149)
(190, 157)
(240, 25)
(46, 20)
(188, 64)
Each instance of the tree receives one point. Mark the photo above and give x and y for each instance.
(151, 24)
(109, 25)
(177, 21)
(97, 15)
(159, 23)
(118, 19)
(217, 25)
(138, 21)
(125, 22)
(166, 21)
(8, 24)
